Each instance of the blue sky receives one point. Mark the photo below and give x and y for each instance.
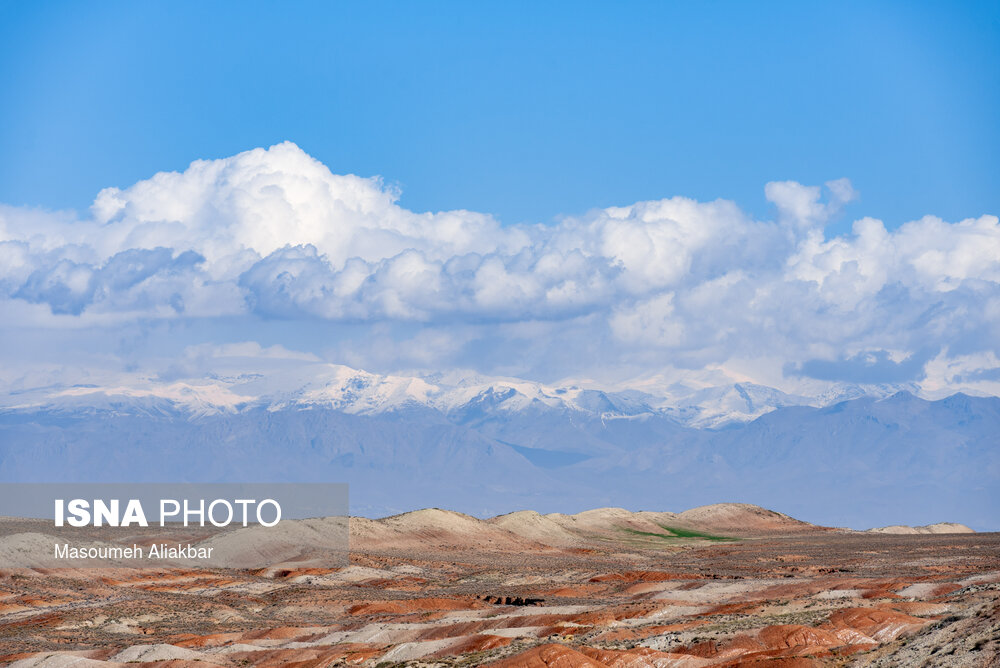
(522, 110)
(795, 194)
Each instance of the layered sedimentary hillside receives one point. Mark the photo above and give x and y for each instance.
(723, 585)
(433, 528)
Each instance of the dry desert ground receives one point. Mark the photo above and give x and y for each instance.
(724, 585)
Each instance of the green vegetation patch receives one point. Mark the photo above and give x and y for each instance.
(688, 533)
(676, 533)
(636, 532)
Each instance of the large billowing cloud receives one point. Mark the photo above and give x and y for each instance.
(271, 235)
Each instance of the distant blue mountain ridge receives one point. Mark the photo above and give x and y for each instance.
(860, 463)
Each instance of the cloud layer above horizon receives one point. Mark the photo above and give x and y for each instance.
(270, 235)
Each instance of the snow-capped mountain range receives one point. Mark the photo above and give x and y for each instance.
(875, 456)
(358, 392)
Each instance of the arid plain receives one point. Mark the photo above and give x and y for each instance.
(724, 585)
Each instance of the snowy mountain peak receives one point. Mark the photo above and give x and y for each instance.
(353, 391)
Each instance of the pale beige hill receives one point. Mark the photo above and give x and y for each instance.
(436, 529)
(362, 527)
(945, 527)
(940, 527)
(435, 520)
(318, 542)
(535, 527)
(589, 521)
(587, 528)
(27, 550)
(656, 517)
(741, 518)
(610, 521)
(433, 528)
(158, 652)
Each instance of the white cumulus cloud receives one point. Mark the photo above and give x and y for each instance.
(272, 235)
